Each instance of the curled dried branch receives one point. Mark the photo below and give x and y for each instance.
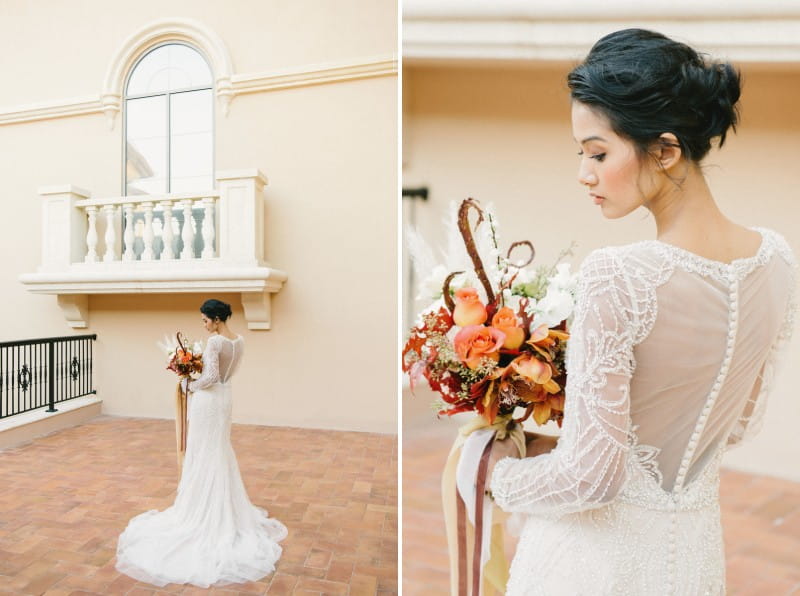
(522, 243)
(448, 299)
(469, 241)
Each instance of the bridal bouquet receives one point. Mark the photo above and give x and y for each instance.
(494, 350)
(493, 340)
(182, 359)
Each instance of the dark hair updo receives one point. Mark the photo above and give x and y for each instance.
(647, 84)
(216, 309)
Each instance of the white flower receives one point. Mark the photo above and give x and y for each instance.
(555, 307)
(431, 287)
(564, 280)
(511, 301)
(197, 348)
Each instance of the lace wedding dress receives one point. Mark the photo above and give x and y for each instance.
(669, 364)
(212, 534)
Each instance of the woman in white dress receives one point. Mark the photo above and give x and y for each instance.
(673, 348)
(212, 534)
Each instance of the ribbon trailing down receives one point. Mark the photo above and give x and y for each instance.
(474, 526)
(181, 423)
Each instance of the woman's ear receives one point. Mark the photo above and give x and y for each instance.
(667, 151)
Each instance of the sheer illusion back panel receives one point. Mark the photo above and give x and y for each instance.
(680, 361)
(229, 357)
(220, 360)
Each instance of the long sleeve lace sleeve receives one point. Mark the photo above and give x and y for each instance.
(750, 420)
(210, 374)
(587, 468)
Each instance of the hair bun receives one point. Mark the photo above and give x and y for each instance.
(216, 309)
(716, 88)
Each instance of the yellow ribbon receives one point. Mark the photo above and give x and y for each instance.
(180, 425)
(495, 572)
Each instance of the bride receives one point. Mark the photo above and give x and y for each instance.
(673, 348)
(212, 534)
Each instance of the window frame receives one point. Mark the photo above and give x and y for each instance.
(167, 94)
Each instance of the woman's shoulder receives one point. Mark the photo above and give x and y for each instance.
(636, 261)
(656, 261)
(777, 243)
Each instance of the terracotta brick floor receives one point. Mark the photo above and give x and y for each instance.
(66, 497)
(760, 516)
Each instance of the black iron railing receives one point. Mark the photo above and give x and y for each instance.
(43, 372)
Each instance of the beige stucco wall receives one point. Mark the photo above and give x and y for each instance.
(330, 153)
(502, 135)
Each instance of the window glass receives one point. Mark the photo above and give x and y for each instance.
(169, 68)
(146, 145)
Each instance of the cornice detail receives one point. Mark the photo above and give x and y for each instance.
(540, 31)
(227, 83)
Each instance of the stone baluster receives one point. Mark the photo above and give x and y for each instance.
(166, 233)
(129, 235)
(111, 233)
(91, 235)
(147, 236)
(208, 228)
(188, 233)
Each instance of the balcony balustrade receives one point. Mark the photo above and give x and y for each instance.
(206, 242)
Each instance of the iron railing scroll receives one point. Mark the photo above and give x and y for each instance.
(43, 372)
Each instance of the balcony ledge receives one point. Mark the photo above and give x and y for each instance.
(162, 278)
(254, 283)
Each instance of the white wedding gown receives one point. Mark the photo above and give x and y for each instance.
(212, 534)
(669, 364)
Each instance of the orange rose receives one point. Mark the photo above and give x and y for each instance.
(469, 309)
(476, 342)
(506, 321)
(536, 371)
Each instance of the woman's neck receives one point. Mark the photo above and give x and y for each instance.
(222, 329)
(687, 215)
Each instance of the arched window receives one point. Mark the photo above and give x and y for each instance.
(169, 122)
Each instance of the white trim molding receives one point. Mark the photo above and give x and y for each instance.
(467, 31)
(54, 109)
(319, 74)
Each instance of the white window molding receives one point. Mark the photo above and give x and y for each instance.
(163, 31)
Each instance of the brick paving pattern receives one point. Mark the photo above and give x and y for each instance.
(760, 518)
(66, 497)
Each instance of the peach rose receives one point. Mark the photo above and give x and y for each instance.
(476, 342)
(506, 321)
(536, 371)
(469, 309)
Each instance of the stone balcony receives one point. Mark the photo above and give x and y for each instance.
(174, 243)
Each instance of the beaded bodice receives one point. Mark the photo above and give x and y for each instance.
(669, 363)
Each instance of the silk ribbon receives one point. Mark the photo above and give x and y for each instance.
(490, 566)
(181, 414)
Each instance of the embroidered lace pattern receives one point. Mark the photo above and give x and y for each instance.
(670, 362)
